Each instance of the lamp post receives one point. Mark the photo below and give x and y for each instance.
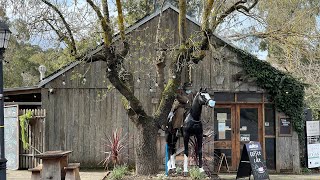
(4, 39)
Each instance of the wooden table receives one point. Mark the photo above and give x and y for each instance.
(53, 163)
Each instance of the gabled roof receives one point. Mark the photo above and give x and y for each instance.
(116, 37)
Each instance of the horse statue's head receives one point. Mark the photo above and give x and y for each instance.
(204, 98)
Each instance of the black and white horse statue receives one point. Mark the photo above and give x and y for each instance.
(193, 127)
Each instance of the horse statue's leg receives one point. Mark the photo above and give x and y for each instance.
(186, 152)
(172, 140)
(199, 144)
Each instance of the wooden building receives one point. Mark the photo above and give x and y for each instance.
(82, 108)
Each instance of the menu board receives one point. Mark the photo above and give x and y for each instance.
(285, 127)
(252, 162)
(313, 143)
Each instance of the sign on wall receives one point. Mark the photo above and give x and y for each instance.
(313, 143)
(285, 128)
(222, 118)
(11, 136)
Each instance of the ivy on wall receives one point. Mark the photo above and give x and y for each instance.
(286, 92)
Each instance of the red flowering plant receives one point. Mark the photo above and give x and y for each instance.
(115, 146)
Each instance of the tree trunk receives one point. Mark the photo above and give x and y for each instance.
(146, 148)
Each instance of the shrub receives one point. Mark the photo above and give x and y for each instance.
(116, 145)
(196, 174)
(119, 172)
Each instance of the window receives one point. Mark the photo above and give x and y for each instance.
(224, 97)
(269, 119)
(249, 97)
(270, 153)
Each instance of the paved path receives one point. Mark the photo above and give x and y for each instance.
(98, 175)
(26, 175)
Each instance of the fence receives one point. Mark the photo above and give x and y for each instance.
(35, 132)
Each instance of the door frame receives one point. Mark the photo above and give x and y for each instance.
(235, 130)
(259, 106)
(227, 144)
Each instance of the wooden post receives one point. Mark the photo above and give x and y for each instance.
(72, 171)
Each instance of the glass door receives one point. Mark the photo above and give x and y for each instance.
(248, 122)
(224, 128)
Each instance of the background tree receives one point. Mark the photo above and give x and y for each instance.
(289, 32)
(298, 51)
(286, 33)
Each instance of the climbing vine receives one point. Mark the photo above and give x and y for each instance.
(286, 92)
(24, 121)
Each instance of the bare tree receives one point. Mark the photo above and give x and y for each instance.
(60, 17)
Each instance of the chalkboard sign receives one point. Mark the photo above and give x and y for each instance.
(252, 162)
(285, 127)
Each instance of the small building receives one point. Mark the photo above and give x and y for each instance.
(82, 107)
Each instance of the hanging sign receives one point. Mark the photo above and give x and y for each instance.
(252, 162)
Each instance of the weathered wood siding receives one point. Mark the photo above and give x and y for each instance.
(81, 114)
(287, 150)
(35, 133)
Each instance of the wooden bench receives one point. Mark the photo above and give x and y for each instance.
(36, 172)
(72, 171)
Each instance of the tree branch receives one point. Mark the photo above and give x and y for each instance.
(126, 45)
(161, 55)
(236, 6)
(105, 10)
(71, 42)
(61, 36)
(120, 20)
(182, 21)
(103, 21)
(206, 13)
(134, 106)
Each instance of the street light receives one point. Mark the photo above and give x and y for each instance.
(4, 39)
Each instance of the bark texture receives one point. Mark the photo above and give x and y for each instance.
(146, 148)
